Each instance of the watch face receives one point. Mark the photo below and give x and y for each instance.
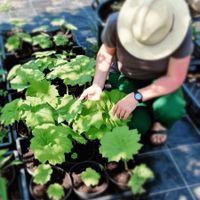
(138, 96)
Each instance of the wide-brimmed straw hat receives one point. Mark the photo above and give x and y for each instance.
(195, 5)
(153, 29)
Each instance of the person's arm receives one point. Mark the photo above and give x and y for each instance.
(104, 59)
(173, 79)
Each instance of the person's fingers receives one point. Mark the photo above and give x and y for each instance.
(126, 115)
(115, 109)
(122, 113)
(118, 111)
(83, 95)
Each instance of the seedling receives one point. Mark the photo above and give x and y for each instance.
(140, 175)
(90, 177)
(43, 40)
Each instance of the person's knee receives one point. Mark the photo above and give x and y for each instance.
(141, 120)
(168, 111)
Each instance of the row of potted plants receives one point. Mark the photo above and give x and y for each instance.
(59, 129)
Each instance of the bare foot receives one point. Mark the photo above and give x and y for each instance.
(159, 136)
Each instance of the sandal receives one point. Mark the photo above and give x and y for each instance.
(162, 139)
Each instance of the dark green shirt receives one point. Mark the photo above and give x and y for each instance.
(133, 67)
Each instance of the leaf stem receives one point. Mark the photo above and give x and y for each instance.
(125, 165)
(67, 90)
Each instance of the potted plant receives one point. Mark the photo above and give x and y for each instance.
(50, 182)
(7, 171)
(119, 146)
(75, 74)
(89, 179)
(19, 43)
(43, 41)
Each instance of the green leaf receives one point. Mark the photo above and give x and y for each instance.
(44, 90)
(141, 174)
(39, 114)
(13, 43)
(70, 26)
(43, 40)
(40, 54)
(13, 71)
(55, 191)
(42, 174)
(96, 117)
(58, 22)
(24, 37)
(68, 108)
(50, 143)
(24, 76)
(60, 40)
(77, 72)
(120, 144)
(3, 189)
(11, 112)
(90, 177)
(74, 156)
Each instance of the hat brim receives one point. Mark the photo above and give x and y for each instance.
(160, 50)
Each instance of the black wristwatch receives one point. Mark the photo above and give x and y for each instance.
(138, 96)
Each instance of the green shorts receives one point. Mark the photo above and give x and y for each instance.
(166, 109)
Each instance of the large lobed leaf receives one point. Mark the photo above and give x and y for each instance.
(96, 116)
(50, 143)
(44, 90)
(120, 144)
(11, 112)
(38, 114)
(77, 72)
(68, 108)
(24, 77)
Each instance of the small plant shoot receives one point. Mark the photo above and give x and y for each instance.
(90, 177)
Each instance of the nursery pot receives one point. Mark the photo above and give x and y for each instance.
(22, 129)
(39, 192)
(26, 154)
(85, 152)
(80, 189)
(103, 10)
(118, 175)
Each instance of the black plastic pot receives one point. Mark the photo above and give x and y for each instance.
(11, 172)
(58, 176)
(22, 129)
(8, 141)
(103, 10)
(84, 152)
(26, 155)
(78, 186)
(116, 169)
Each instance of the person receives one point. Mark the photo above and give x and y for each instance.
(146, 50)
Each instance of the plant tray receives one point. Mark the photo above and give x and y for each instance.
(111, 194)
(8, 143)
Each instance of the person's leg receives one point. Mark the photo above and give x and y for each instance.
(141, 118)
(167, 110)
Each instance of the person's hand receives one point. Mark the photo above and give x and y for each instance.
(91, 93)
(125, 107)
